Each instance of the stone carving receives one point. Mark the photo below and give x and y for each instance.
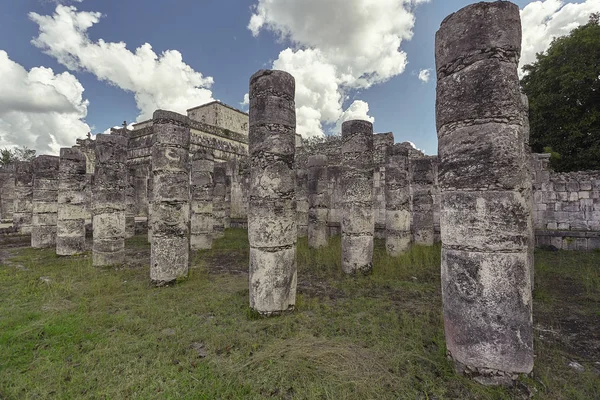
(170, 208)
(23, 206)
(45, 201)
(483, 178)
(397, 201)
(358, 224)
(318, 200)
(272, 229)
(201, 189)
(72, 202)
(108, 200)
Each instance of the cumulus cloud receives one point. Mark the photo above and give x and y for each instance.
(336, 46)
(357, 110)
(40, 109)
(424, 75)
(246, 100)
(542, 21)
(157, 81)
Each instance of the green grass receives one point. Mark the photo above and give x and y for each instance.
(108, 334)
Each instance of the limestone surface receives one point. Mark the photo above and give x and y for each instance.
(201, 190)
(7, 191)
(108, 200)
(272, 228)
(421, 182)
(72, 207)
(358, 224)
(45, 201)
(219, 200)
(485, 194)
(170, 207)
(23, 206)
(318, 201)
(397, 201)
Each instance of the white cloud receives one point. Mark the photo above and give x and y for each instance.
(357, 110)
(157, 81)
(424, 75)
(337, 46)
(246, 101)
(40, 109)
(544, 20)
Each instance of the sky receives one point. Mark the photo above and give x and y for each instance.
(69, 67)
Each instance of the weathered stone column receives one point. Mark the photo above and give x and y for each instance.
(318, 201)
(528, 190)
(302, 206)
(130, 203)
(23, 206)
(7, 191)
(421, 182)
(219, 200)
(170, 215)
(358, 223)
(485, 214)
(108, 200)
(201, 218)
(72, 210)
(45, 201)
(397, 201)
(272, 229)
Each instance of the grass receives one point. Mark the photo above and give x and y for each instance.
(82, 332)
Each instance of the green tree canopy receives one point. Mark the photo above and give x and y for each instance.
(563, 86)
(8, 156)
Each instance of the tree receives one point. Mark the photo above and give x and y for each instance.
(8, 156)
(563, 86)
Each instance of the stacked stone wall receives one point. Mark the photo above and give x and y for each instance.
(7, 191)
(23, 206)
(72, 202)
(45, 201)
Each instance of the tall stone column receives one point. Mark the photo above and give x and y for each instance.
(23, 205)
(485, 214)
(130, 203)
(302, 202)
(272, 229)
(72, 210)
(7, 191)
(45, 201)
(201, 218)
(318, 201)
(358, 223)
(422, 200)
(397, 201)
(108, 200)
(170, 215)
(219, 200)
(528, 190)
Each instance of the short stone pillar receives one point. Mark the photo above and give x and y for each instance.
(219, 200)
(318, 201)
(397, 201)
(358, 223)
(421, 183)
(170, 208)
(201, 218)
(130, 204)
(108, 200)
(72, 207)
(272, 230)
(45, 201)
(485, 212)
(23, 206)
(7, 191)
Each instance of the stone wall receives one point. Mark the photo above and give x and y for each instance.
(221, 115)
(566, 206)
(7, 191)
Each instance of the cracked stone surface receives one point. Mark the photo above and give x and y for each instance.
(485, 188)
(44, 201)
(72, 202)
(272, 225)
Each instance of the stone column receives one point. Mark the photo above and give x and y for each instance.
(130, 203)
(485, 213)
(201, 218)
(108, 200)
(170, 215)
(7, 191)
(272, 229)
(397, 201)
(302, 206)
(23, 206)
(318, 201)
(358, 223)
(422, 200)
(528, 190)
(45, 201)
(219, 200)
(72, 210)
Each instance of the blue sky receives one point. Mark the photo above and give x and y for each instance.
(92, 85)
